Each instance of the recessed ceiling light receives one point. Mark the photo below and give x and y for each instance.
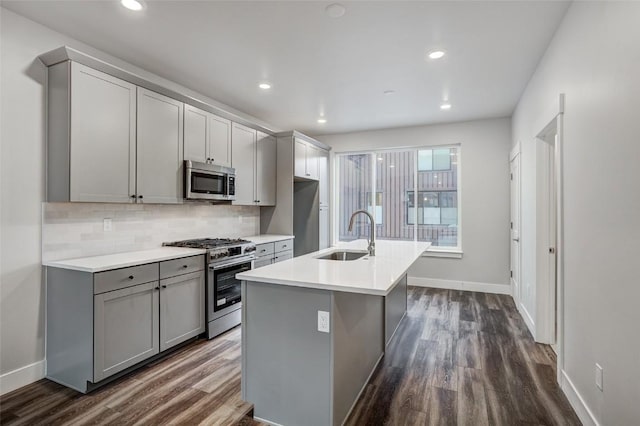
(335, 10)
(132, 4)
(436, 54)
(445, 106)
(322, 120)
(264, 86)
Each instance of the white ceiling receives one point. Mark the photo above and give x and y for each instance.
(322, 65)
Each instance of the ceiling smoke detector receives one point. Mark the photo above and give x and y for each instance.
(335, 10)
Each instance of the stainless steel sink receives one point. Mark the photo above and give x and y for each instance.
(343, 255)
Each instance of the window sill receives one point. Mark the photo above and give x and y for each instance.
(443, 253)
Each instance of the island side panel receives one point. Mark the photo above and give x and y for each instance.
(69, 325)
(358, 346)
(395, 308)
(286, 360)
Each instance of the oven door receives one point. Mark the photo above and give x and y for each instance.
(225, 288)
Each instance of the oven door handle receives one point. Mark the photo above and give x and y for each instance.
(232, 263)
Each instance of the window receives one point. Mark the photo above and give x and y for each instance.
(395, 177)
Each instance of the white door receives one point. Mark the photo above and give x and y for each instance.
(160, 147)
(515, 227)
(552, 240)
(244, 161)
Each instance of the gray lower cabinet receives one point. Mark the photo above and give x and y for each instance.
(101, 324)
(268, 253)
(126, 328)
(181, 308)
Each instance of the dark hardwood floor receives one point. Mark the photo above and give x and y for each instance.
(457, 358)
(199, 384)
(463, 358)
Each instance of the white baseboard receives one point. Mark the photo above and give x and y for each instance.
(460, 285)
(22, 376)
(580, 407)
(528, 319)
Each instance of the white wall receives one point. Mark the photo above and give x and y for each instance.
(485, 192)
(594, 59)
(22, 165)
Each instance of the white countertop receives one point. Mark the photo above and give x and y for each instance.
(268, 238)
(368, 275)
(123, 260)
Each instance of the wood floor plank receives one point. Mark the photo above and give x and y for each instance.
(472, 404)
(479, 360)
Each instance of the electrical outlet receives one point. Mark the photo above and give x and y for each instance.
(107, 225)
(599, 374)
(323, 321)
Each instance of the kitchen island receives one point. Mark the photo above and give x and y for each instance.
(315, 328)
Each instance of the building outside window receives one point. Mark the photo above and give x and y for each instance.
(396, 176)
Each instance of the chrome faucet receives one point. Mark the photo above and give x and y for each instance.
(372, 234)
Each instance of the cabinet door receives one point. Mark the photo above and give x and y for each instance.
(219, 140)
(244, 161)
(126, 328)
(262, 261)
(182, 306)
(102, 137)
(266, 170)
(312, 162)
(323, 228)
(323, 177)
(160, 148)
(195, 134)
(300, 158)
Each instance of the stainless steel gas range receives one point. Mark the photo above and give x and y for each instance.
(225, 258)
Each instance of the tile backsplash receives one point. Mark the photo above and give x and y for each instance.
(71, 230)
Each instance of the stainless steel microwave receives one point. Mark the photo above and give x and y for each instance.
(211, 182)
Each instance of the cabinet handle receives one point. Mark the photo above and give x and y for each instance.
(130, 277)
(263, 250)
(213, 160)
(164, 286)
(157, 288)
(284, 246)
(308, 174)
(133, 196)
(185, 266)
(140, 196)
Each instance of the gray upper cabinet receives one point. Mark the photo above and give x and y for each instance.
(111, 141)
(244, 161)
(126, 328)
(92, 131)
(306, 159)
(182, 308)
(207, 137)
(159, 148)
(266, 167)
(323, 177)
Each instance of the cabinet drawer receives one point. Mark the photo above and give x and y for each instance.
(283, 245)
(283, 255)
(262, 261)
(264, 249)
(184, 265)
(125, 277)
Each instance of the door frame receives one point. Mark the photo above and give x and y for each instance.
(550, 303)
(515, 291)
